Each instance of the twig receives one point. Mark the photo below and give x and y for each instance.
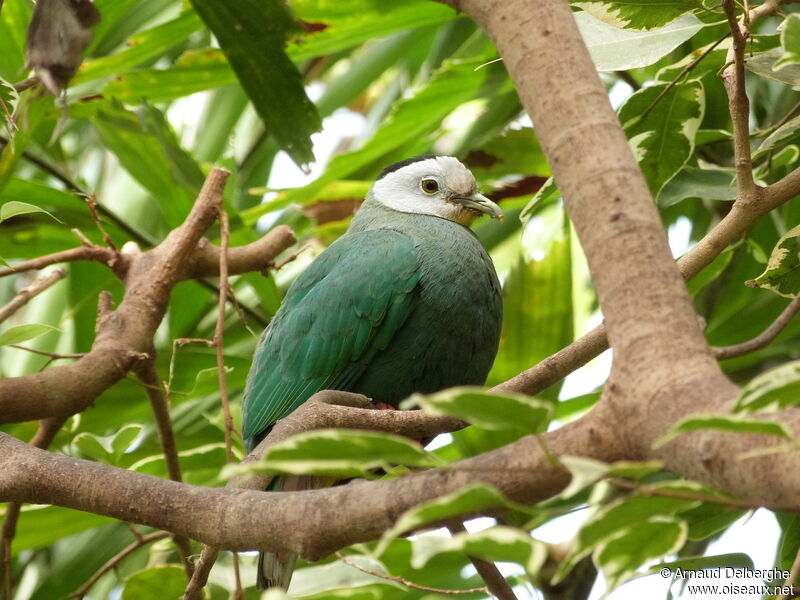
(46, 432)
(147, 373)
(406, 582)
(73, 187)
(785, 119)
(176, 343)
(125, 335)
(769, 334)
(491, 575)
(277, 266)
(93, 253)
(91, 202)
(685, 71)
(194, 591)
(671, 493)
(25, 84)
(52, 355)
(557, 366)
(629, 79)
(30, 291)
(219, 347)
(141, 540)
(219, 334)
(738, 102)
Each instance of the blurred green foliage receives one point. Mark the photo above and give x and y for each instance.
(166, 92)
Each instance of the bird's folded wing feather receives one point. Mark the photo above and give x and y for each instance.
(341, 311)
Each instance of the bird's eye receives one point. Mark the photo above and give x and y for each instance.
(429, 186)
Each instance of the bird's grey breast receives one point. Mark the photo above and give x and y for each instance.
(451, 337)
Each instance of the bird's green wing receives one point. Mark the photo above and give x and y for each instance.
(342, 310)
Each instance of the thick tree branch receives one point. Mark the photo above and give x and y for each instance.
(312, 522)
(125, 335)
(663, 369)
(45, 433)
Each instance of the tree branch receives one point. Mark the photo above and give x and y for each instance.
(762, 340)
(124, 335)
(45, 433)
(116, 559)
(738, 102)
(148, 375)
(488, 571)
(312, 522)
(30, 291)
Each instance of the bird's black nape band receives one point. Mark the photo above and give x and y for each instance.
(403, 163)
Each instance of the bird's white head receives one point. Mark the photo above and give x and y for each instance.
(439, 186)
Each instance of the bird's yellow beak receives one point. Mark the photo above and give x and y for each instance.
(482, 204)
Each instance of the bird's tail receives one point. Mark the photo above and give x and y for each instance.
(275, 568)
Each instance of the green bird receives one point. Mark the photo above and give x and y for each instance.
(406, 301)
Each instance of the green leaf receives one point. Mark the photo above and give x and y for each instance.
(491, 410)
(710, 518)
(724, 423)
(40, 526)
(23, 333)
(790, 539)
(763, 64)
(322, 580)
(661, 131)
(619, 557)
(200, 465)
(9, 97)
(548, 194)
(783, 134)
(698, 183)
(148, 155)
(141, 47)
(514, 151)
(504, 544)
(615, 49)
(339, 452)
(14, 19)
(163, 582)
(253, 36)
(537, 296)
(614, 519)
(709, 273)
(779, 386)
(454, 83)
(14, 208)
(782, 274)
(108, 448)
(584, 472)
(469, 499)
(635, 14)
(790, 40)
(347, 23)
(195, 71)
